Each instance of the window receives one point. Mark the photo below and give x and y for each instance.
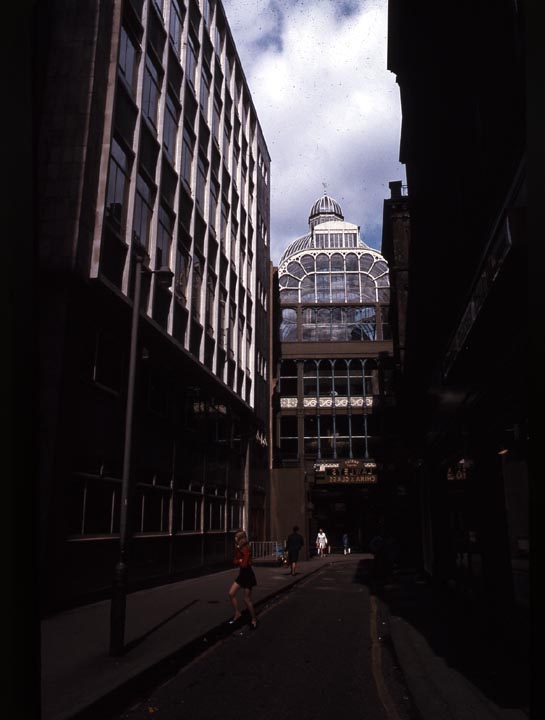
(288, 436)
(164, 238)
(198, 269)
(143, 210)
(118, 181)
(183, 262)
(170, 128)
(190, 511)
(216, 113)
(188, 144)
(214, 196)
(202, 170)
(128, 59)
(108, 360)
(207, 12)
(210, 295)
(205, 92)
(288, 325)
(175, 26)
(152, 90)
(191, 60)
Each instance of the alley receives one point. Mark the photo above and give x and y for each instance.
(316, 653)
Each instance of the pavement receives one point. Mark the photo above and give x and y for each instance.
(171, 624)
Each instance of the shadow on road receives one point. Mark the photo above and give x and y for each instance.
(460, 630)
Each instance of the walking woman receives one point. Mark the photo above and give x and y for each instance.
(245, 578)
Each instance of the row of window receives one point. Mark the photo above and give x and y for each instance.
(363, 261)
(335, 324)
(329, 436)
(94, 508)
(199, 166)
(321, 378)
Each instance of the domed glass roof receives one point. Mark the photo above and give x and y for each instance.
(326, 206)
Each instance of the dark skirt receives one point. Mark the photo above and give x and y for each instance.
(246, 578)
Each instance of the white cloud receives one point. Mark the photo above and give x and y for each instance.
(329, 108)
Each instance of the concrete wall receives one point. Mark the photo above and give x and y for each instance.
(288, 504)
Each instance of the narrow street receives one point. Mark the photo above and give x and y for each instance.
(318, 652)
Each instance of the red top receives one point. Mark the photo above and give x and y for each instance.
(243, 556)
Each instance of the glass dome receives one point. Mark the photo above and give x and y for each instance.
(332, 269)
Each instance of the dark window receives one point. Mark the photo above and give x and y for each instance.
(191, 60)
(183, 262)
(175, 26)
(170, 128)
(205, 92)
(202, 169)
(198, 269)
(210, 295)
(216, 114)
(128, 59)
(108, 360)
(152, 90)
(164, 238)
(143, 210)
(188, 144)
(118, 181)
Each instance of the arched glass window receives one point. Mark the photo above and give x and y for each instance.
(366, 261)
(296, 269)
(307, 261)
(289, 281)
(322, 263)
(352, 262)
(368, 289)
(308, 293)
(379, 268)
(337, 262)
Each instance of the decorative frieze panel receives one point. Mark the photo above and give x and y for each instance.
(327, 402)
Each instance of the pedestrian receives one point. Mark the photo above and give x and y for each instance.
(346, 544)
(245, 579)
(294, 543)
(321, 542)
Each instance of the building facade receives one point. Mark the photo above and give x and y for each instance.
(151, 163)
(463, 142)
(334, 389)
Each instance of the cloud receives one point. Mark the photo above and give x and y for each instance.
(329, 108)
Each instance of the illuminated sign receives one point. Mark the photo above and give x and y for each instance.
(346, 472)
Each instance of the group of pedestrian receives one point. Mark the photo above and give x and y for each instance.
(246, 579)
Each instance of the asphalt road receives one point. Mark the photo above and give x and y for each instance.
(320, 651)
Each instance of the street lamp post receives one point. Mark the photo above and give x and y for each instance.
(119, 589)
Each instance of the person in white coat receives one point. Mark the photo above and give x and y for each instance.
(321, 542)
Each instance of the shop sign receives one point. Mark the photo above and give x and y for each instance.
(346, 472)
(458, 471)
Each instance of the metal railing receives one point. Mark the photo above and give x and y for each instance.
(266, 548)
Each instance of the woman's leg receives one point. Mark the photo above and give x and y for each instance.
(233, 597)
(247, 594)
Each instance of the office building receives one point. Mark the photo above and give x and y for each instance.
(150, 160)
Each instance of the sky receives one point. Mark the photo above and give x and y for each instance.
(328, 107)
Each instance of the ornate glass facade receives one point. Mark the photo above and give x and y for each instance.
(340, 283)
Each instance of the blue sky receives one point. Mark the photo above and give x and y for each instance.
(329, 108)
